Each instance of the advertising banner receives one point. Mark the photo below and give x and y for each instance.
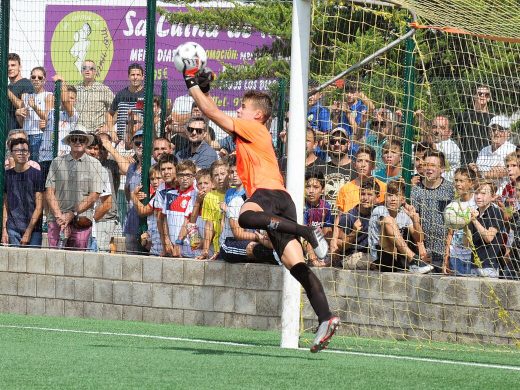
(115, 36)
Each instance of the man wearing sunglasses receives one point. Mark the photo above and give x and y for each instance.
(72, 187)
(94, 100)
(471, 131)
(339, 168)
(197, 150)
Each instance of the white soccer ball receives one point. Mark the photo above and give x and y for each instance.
(188, 51)
(457, 215)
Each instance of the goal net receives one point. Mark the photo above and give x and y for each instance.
(405, 124)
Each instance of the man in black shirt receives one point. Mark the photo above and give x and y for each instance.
(17, 86)
(471, 131)
(130, 98)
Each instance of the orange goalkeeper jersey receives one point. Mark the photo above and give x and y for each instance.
(257, 165)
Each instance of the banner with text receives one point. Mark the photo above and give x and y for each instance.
(114, 37)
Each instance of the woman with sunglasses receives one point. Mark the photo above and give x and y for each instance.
(35, 109)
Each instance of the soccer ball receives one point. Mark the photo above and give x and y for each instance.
(188, 51)
(456, 215)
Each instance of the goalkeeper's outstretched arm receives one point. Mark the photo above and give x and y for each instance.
(208, 107)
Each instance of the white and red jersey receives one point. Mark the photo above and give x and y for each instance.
(177, 205)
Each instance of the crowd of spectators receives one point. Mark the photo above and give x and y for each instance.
(354, 186)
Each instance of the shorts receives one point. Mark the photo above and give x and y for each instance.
(389, 262)
(234, 251)
(280, 204)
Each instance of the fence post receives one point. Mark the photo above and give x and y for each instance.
(164, 101)
(148, 127)
(4, 110)
(56, 124)
(282, 84)
(408, 109)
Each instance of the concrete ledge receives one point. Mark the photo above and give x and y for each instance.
(185, 291)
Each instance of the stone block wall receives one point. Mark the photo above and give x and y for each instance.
(214, 293)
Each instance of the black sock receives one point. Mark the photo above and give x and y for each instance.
(314, 289)
(261, 220)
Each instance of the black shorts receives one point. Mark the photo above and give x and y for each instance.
(280, 204)
(234, 251)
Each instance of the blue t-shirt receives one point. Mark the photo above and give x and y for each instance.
(346, 222)
(318, 216)
(21, 189)
(319, 118)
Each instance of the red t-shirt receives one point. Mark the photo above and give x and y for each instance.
(257, 165)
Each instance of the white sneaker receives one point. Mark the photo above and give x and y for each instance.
(322, 248)
(487, 272)
(324, 333)
(420, 267)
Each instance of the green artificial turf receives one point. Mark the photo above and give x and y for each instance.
(36, 358)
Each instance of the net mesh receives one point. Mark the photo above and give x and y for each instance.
(459, 75)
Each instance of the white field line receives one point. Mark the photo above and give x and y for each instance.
(227, 343)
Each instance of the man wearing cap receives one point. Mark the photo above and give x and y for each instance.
(490, 160)
(339, 169)
(72, 187)
(198, 150)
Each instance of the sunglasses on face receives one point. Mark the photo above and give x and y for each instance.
(85, 67)
(138, 143)
(20, 151)
(81, 140)
(34, 77)
(341, 141)
(192, 129)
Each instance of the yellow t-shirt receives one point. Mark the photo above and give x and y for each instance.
(211, 211)
(348, 195)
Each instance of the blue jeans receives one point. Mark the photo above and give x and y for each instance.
(15, 238)
(460, 266)
(34, 146)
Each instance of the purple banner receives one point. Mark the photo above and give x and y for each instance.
(114, 37)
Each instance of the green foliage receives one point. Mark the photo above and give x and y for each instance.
(448, 66)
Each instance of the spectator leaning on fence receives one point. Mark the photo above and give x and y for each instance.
(458, 255)
(339, 167)
(17, 87)
(430, 197)
(197, 150)
(23, 199)
(94, 100)
(490, 160)
(72, 188)
(488, 232)
(67, 122)
(133, 179)
(9, 161)
(441, 129)
(129, 98)
(35, 110)
(471, 131)
(353, 228)
(105, 211)
(395, 234)
(317, 212)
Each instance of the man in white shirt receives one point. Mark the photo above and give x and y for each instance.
(442, 132)
(490, 160)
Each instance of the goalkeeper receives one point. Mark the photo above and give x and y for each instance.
(269, 206)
